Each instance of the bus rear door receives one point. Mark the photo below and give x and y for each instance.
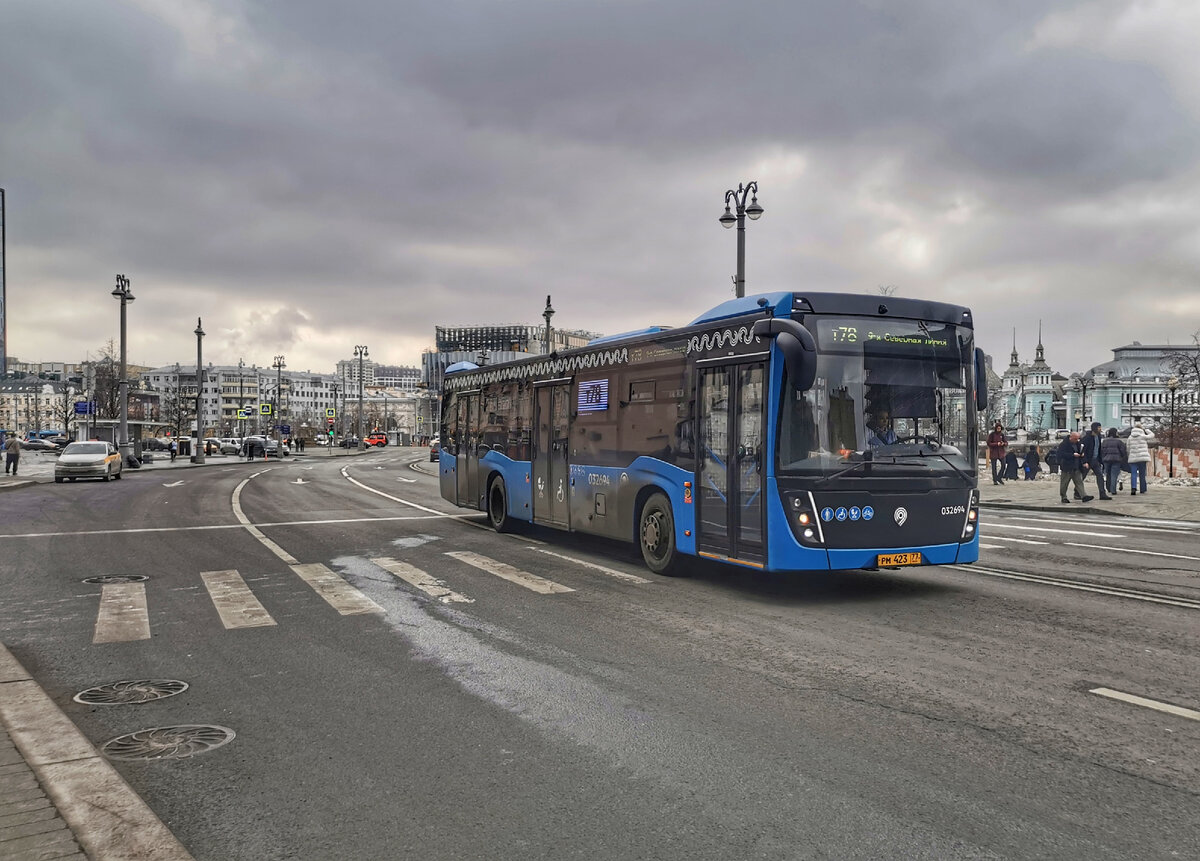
(551, 490)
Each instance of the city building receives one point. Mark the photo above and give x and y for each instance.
(1135, 383)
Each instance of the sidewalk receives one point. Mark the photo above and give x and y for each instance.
(1161, 501)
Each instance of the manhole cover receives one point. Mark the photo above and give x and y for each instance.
(106, 579)
(167, 742)
(131, 692)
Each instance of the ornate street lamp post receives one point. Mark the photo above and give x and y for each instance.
(729, 219)
(199, 454)
(546, 315)
(360, 353)
(278, 364)
(1172, 385)
(125, 295)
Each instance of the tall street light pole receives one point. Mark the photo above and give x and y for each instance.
(1172, 385)
(278, 366)
(199, 456)
(333, 423)
(360, 353)
(125, 295)
(755, 212)
(1132, 380)
(546, 315)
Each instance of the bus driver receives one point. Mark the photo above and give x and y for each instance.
(879, 429)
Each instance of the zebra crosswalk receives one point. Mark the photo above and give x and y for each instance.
(123, 614)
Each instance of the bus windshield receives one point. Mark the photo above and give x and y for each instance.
(894, 394)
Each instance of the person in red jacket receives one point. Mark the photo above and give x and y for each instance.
(997, 444)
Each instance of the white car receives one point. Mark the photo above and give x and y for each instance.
(230, 445)
(88, 460)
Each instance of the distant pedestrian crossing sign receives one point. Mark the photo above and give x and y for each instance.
(330, 412)
(264, 409)
(243, 414)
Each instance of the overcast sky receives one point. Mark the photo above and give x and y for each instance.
(310, 175)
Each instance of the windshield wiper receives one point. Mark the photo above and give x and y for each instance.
(898, 461)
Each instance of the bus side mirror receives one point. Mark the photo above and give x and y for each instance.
(797, 346)
(980, 380)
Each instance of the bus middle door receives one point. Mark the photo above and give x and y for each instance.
(467, 456)
(730, 461)
(551, 481)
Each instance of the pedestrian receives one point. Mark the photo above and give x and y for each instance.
(302, 445)
(1070, 464)
(1092, 459)
(1112, 455)
(1139, 456)
(1052, 461)
(1010, 465)
(174, 450)
(997, 444)
(12, 454)
(1033, 463)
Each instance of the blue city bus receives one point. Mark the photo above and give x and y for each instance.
(782, 432)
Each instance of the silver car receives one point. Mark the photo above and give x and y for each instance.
(88, 460)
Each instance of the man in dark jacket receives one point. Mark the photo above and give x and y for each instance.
(997, 444)
(1070, 465)
(1092, 459)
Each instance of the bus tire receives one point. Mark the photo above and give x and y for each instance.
(497, 507)
(656, 536)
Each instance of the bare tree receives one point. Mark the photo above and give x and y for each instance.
(106, 382)
(64, 407)
(1184, 430)
(176, 410)
(887, 289)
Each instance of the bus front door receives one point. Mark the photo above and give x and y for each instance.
(729, 475)
(467, 457)
(551, 483)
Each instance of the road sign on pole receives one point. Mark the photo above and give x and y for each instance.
(264, 409)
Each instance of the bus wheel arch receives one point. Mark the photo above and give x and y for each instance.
(656, 532)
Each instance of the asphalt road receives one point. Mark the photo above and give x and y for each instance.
(600, 711)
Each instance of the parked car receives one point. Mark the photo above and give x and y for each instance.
(262, 446)
(39, 445)
(435, 449)
(230, 445)
(88, 460)
(377, 438)
(153, 443)
(349, 442)
(60, 441)
(212, 445)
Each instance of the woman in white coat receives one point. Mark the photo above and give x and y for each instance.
(1139, 456)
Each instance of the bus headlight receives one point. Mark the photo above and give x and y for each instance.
(972, 517)
(802, 518)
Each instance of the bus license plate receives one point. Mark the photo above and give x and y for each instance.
(890, 559)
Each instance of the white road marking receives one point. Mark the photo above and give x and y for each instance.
(1122, 525)
(1114, 591)
(330, 521)
(407, 480)
(1060, 531)
(983, 546)
(235, 603)
(337, 592)
(611, 572)
(346, 475)
(532, 582)
(300, 481)
(1128, 550)
(173, 484)
(1017, 540)
(254, 530)
(427, 583)
(1179, 711)
(123, 615)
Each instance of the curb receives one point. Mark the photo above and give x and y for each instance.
(107, 817)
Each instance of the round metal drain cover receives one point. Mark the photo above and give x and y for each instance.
(167, 742)
(131, 692)
(106, 579)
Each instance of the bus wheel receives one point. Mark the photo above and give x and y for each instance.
(497, 508)
(656, 535)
